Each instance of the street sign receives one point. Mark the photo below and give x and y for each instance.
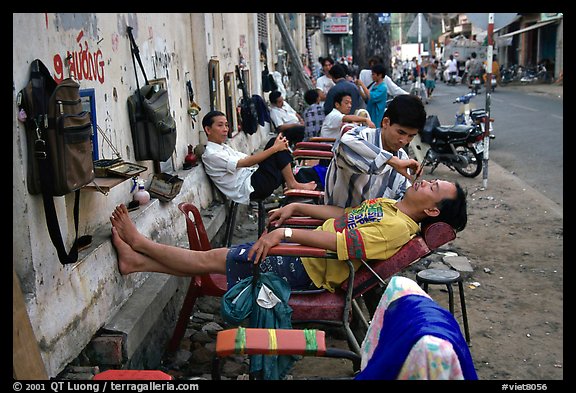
(413, 30)
(336, 25)
(384, 18)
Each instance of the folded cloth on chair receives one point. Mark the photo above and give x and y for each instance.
(265, 301)
(406, 321)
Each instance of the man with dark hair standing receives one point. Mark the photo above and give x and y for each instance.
(324, 83)
(338, 73)
(476, 67)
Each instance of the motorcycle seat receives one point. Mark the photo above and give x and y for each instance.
(454, 131)
(476, 114)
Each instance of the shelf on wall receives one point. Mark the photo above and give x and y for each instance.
(104, 184)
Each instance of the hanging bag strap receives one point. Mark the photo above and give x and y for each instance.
(136, 56)
(40, 76)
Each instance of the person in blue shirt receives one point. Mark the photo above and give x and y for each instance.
(377, 95)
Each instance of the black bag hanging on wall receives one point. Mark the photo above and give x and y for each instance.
(265, 81)
(248, 112)
(153, 127)
(59, 141)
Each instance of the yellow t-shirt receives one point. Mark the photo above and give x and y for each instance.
(372, 231)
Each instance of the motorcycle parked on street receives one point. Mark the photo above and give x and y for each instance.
(460, 147)
(469, 115)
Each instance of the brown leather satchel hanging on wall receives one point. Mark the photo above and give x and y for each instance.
(59, 141)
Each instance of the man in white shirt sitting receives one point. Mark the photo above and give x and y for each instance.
(242, 177)
(332, 124)
(286, 120)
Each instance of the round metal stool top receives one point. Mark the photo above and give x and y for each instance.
(438, 276)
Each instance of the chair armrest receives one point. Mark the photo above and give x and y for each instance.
(299, 222)
(321, 139)
(298, 250)
(313, 146)
(311, 154)
(296, 192)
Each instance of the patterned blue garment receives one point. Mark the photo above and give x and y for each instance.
(313, 118)
(290, 269)
(406, 320)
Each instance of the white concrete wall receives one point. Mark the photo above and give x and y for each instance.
(68, 304)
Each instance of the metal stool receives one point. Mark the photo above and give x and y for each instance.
(232, 220)
(446, 277)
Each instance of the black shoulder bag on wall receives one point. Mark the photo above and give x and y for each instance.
(248, 112)
(153, 127)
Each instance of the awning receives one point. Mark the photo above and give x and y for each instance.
(534, 26)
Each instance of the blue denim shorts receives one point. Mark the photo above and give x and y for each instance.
(289, 268)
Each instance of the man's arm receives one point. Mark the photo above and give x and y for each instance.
(305, 237)
(322, 212)
(281, 143)
(359, 155)
(393, 88)
(358, 119)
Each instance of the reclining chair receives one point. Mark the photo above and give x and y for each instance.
(314, 306)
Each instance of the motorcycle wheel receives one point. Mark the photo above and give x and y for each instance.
(474, 166)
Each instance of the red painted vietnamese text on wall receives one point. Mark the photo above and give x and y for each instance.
(80, 64)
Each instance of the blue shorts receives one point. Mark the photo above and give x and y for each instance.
(289, 268)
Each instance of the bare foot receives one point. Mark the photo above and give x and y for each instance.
(125, 227)
(306, 186)
(302, 186)
(127, 257)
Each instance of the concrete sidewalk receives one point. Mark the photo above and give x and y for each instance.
(551, 89)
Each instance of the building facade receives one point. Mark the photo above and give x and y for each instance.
(70, 306)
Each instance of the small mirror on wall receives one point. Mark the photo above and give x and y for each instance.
(214, 84)
(230, 101)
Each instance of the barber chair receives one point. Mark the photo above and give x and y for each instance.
(315, 306)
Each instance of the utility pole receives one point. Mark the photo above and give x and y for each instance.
(370, 38)
(488, 83)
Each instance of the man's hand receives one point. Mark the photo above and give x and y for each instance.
(281, 214)
(281, 143)
(260, 248)
(402, 167)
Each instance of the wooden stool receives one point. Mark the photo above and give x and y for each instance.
(446, 277)
(262, 341)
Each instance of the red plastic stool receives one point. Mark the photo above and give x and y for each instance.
(145, 375)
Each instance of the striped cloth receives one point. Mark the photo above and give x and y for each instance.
(359, 170)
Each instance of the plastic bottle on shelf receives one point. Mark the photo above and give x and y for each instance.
(141, 195)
